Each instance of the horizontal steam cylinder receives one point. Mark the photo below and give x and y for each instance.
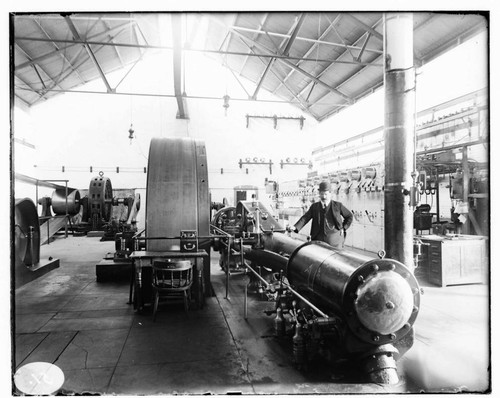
(378, 298)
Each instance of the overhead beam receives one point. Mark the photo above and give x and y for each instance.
(152, 47)
(155, 95)
(178, 67)
(295, 30)
(91, 54)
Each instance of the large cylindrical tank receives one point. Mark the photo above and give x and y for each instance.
(378, 298)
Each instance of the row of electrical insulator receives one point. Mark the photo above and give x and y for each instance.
(359, 214)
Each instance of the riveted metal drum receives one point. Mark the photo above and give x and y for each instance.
(177, 196)
(100, 197)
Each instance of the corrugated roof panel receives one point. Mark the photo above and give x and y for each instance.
(253, 69)
(19, 56)
(442, 29)
(327, 103)
(359, 83)
(271, 82)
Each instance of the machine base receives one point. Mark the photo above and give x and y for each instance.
(95, 234)
(109, 270)
(25, 274)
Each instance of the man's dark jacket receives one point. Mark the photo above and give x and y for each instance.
(337, 216)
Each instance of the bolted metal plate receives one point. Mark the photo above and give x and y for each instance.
(381, 301)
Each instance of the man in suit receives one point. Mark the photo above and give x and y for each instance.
(330, 219)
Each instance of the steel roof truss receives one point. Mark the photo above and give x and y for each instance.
(238, 80)
(72, 44)
(39, 77)
(329, 43)
(37, 71)
(106, 25)
(65, 59)
(368, 35)
(304, 104)
(365, 27)
(292, 65)
(63, 78)
(294, 31)
(261, 26)
(91, 54)
(342, 40)
(311, 48)
(250, 48)
(341, 55)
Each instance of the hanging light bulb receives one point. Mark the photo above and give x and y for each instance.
(131, 133)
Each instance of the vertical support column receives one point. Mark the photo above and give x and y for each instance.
(399, 127)
(466, 183)
(66, 216)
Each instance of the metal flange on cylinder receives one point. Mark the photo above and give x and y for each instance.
(177, 195)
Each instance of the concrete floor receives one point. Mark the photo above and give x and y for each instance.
(103, 346)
